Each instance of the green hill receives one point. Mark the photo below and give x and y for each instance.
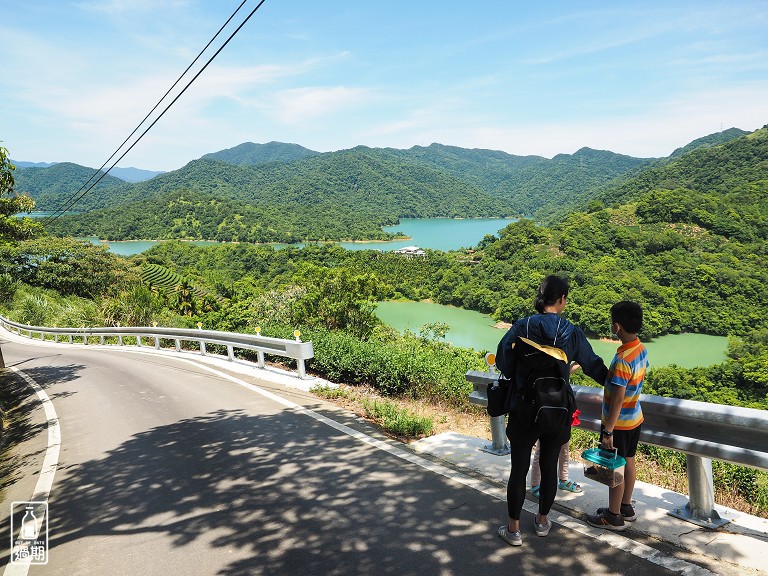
(53, 185)
(250, 153)
(721, 188)
(263, 193)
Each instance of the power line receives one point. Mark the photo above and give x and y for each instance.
(80, 193)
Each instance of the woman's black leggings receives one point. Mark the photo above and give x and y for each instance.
(521, 441)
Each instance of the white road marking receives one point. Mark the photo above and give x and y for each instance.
(50, 464)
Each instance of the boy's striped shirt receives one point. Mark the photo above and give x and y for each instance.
(628, 371)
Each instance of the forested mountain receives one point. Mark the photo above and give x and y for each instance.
(195, 215)
(375, 185)
(250, 153)
(531, 184)
(723, 189)
(709, 141)
(52, 186)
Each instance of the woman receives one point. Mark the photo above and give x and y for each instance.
(547, 328)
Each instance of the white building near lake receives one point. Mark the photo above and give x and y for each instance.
(411, 252)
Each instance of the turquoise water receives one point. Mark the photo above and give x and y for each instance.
(130, 247)
(471, 329)
(434, 233)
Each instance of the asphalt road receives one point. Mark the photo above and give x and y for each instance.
(168, 468)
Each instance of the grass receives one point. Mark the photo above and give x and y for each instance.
(390, 415)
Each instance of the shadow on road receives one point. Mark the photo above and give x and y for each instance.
(291, 496)
(18, 401)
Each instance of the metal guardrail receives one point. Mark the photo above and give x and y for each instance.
(296, 349)
(701, 430)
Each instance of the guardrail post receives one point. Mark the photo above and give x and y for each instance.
(178, 345)
(700, 509)
(119, 339)
(259, 354)
(301, 368)
(55, 337)
(499, 445)
(101, 340)
(70, 338)
(138, 340)
(230, 353)
(202, 344)
(157, 343)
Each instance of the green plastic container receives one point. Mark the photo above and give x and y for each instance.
(604, 466)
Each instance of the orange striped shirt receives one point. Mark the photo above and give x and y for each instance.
(628, 371)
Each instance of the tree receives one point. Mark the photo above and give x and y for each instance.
(12, 228)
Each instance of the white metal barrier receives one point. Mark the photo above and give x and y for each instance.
(296, 349)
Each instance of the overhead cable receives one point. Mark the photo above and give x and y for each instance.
(85, 188)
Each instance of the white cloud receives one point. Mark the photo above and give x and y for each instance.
(300, 105)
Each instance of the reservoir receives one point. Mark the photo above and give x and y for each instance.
(434, 233)
(470, 329)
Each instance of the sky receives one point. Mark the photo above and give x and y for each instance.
(528, 78)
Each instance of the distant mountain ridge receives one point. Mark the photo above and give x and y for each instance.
(376, 185)
(250, 153)
(125, 174)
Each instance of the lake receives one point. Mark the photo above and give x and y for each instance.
(470, 329)
(434, 233)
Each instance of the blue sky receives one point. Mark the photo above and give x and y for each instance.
(637, 78)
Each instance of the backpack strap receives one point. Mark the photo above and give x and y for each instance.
(556, 353)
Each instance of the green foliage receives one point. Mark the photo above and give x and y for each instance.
(434, 331)
(395, 365)
(398, 421)
(336, 299)
(40, 307)
(8, 287)
(71, 267)
(135, 306)
(11, 227)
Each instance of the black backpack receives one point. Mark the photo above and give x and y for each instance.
(544, 399)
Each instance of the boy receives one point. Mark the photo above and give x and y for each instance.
(622, 415)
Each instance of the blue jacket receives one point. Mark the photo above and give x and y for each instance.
(552, 330)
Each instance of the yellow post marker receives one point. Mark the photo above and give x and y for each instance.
(490, 360)
(298, 335)
(199, 325)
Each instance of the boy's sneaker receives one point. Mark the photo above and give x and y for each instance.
(604, 519)
(513, 538)
(626, 511)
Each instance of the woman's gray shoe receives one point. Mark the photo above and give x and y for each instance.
(542, 529)
(514, 538)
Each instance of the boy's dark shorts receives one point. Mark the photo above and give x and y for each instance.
(625, 441)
